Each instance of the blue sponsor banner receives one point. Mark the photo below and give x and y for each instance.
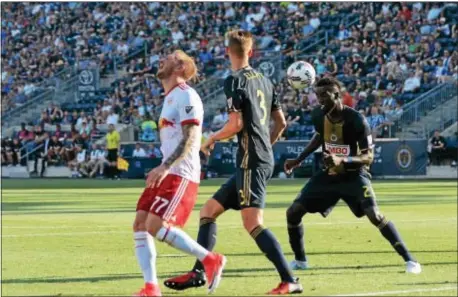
(391, 158)
(396, 157)
(139, 167)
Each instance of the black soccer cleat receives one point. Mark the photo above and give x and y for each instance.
(193, 279)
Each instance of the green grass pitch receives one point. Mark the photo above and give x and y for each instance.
(74, 237)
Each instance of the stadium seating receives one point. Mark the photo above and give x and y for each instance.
(128, 60)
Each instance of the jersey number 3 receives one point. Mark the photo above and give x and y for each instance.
(262, 104)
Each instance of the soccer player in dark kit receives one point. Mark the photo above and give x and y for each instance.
(252, 103)
(346, 140)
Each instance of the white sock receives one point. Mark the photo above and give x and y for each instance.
(182, 241)
(146, 255)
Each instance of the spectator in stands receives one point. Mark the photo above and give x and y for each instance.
(438, 148)
(394, 114)
(388, 101)
(440, 72)
(85, 128)
(78, 165)
(343, 33)
(358, 67)
(11, 152)
(3, 151)
(411, 84)
(148, 129)
(55, 151)
(44, 119)
(41, 152)
(82, 118)
(59, 133)
(25, 135)
(112, 117)
(97, 161)
(67, 118)
(331, 67)
(379, 84)
(362, 103)
(56, 114)
(153, 151)
(377, 122)
(139, 152)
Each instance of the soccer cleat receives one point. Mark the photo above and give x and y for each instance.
(213, 265)
(298, 265)
(152, 290)
(413, 267)
(287, 288)
(193, 279)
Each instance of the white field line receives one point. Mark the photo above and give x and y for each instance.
(225, 226)
(392, 293)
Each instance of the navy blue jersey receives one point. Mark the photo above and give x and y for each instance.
(249, 92)
(349, 137)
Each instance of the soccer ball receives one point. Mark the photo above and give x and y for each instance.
(301, 75)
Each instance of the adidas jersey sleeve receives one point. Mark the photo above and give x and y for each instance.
(234, 100)
(190, 109)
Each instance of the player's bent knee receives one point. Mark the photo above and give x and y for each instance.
(139, 222)
(252, 218)
(374, 216)
(212, 209)
(294, 214)
(139, 226)
(154, 224)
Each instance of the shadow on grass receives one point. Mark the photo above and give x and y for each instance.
(343, 253)
(39, 208)
(228, 273)
(427, 283)
(31, 206)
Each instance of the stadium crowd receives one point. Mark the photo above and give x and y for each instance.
(391, 55)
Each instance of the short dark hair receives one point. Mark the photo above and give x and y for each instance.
(328, 82)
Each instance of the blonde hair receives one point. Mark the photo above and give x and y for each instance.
(190, 68)
(239, 42)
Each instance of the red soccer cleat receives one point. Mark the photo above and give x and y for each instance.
(150, 290)
(191, 279)
(214, 265)
(287, 288)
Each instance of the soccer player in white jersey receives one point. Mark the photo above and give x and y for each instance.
(171, 188)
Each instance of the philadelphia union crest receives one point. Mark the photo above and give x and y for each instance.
(404, 158)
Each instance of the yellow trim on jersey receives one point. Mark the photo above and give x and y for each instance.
(245, 150)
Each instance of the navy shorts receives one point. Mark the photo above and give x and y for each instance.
(323, 191)
(246, 188)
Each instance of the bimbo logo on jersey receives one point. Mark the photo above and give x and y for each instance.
(338, 149)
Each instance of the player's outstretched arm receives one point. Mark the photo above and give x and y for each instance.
(232, 127)
(185, 145)
(279, 125)
(312, 146)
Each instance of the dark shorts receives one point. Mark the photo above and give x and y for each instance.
(323, 191)
(246, 188)
(112, 155)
